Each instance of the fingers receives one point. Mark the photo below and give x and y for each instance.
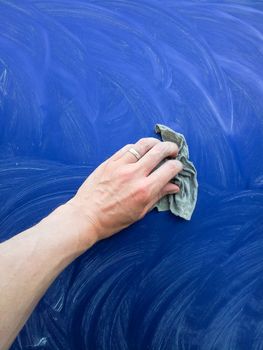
(169, 188)
(160, 178)
(120, 152)
(142, 146)
(155, 155)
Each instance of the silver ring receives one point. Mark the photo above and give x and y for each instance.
(135, 153)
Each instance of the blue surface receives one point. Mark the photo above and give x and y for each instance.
(78, 80)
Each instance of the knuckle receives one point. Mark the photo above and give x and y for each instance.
(147, 142)
(162, 192)
(170, 146)
(166, 148)
(159, 151)
(160, 148)
(125, 173)
(170, 164)
(155, 153)
(174, 165)
(143, 193)
(143, 140)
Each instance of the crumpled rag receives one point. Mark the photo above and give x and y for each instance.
(182, 203)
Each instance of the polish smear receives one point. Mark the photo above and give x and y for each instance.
(80, 79)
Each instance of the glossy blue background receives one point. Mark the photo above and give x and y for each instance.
(80, 79)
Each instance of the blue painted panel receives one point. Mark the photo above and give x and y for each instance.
(78, 80)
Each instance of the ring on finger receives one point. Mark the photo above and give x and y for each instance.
(135, 153)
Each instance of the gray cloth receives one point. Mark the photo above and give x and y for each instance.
(182, 203)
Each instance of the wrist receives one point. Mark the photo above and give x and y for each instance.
(69, 227)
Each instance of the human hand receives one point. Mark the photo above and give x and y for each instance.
(123, 189)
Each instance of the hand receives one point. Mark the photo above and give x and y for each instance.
(123, 189)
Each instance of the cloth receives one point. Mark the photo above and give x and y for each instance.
(182, 203)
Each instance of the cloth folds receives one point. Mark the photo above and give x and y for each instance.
(182, 203)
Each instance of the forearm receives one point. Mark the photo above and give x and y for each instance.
(119, 192)
(30, 261)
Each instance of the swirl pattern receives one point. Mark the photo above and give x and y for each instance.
(78, 80)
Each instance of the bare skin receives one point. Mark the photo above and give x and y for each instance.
(119, 192)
